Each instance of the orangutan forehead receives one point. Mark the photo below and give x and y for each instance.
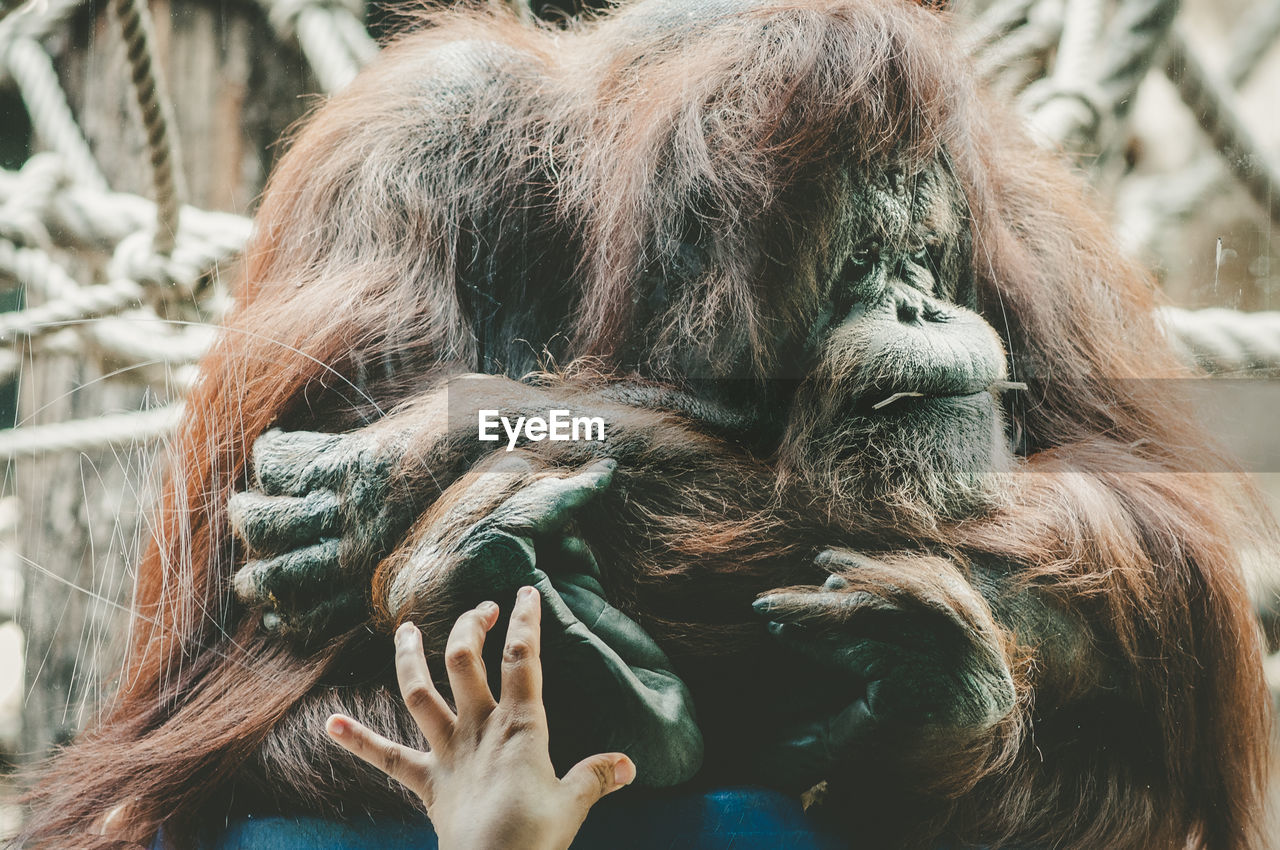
(907, 205)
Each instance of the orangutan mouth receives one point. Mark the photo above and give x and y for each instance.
(997, 386)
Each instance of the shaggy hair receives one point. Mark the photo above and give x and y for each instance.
(488, 193)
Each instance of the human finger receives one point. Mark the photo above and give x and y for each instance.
(403, 764)
(521, 664)
(598, 775)
(429, 710)
(464, 662)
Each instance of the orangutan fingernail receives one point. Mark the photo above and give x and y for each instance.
(526, 593)
(487, 609)
(338, 727)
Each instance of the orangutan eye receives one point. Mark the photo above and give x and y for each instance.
(861, 261)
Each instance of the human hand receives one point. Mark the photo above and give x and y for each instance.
(487, 781)
(610, 686)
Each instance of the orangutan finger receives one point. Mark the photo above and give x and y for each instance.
(844, 559)
(274, 524)
(464, 661)
(293, 463)
(821, 608)
(284, 575)
(407, 766)
(314, 620)
(548, 504)
(835, 582)
(429, 710)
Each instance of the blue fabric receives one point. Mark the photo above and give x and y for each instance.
(731, 819)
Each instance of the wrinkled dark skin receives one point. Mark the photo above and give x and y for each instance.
(321, 516)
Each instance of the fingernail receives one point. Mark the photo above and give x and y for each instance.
(624, 771)
(337, 726)
(487, 609)
(527, 592)
(406, 632)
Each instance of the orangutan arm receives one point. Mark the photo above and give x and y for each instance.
(326, 508)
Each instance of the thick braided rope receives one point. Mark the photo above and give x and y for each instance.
(207, 239)
(33, 71)
(78, 216)
(330, 34)
(1256, 36)
(34, 19)
(1081, 31)
(995, 23)
(1211, 103)
(135, 27)
(1033, 38)
(36, 270)
(141, 336)
(82, 435)
(1224, 342)
(87, 302)
(1064, 108)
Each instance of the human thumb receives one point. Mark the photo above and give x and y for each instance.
(598, 775)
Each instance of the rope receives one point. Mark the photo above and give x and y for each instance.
(1035, 37)
(1136, 33)
(1064, 109)
(330, 34)
(1081, 29)
(34, 19)
(33, 71)
(77, 216)
(995, 23)
(135, 27)
(1252, 42)
(86, 302)
(1210, 101)
(206, 240)
(36, 270)
(85, 435)
(23, 211)
(1226, 341)
(40, 272)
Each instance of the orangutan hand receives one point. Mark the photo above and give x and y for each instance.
(487, 781)
(319, 519)
(917, 638)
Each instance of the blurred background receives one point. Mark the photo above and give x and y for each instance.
(135, 141)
